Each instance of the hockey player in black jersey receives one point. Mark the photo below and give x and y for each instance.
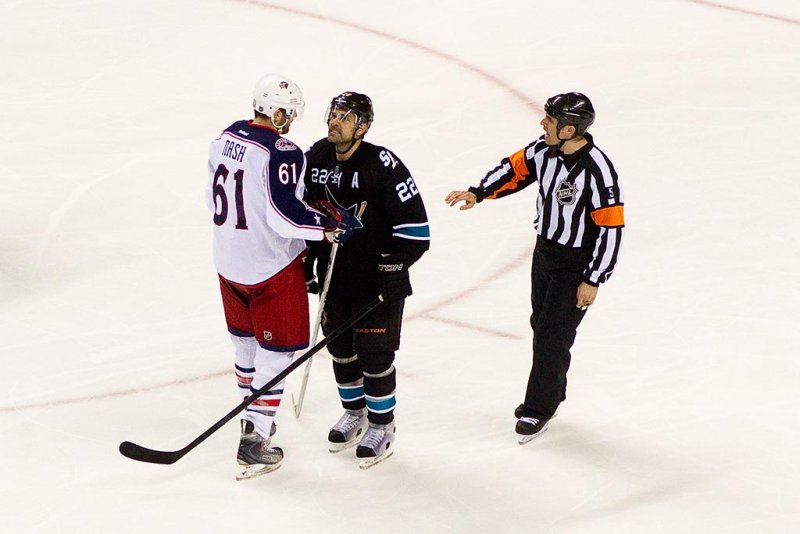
(369, 181)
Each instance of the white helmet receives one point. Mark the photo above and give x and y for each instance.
(273, 92)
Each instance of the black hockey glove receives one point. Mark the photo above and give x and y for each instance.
(393, 276)
(339, 226)
(311, 280)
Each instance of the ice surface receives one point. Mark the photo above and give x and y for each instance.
(682, 413)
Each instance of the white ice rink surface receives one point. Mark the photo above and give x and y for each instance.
(682, 410)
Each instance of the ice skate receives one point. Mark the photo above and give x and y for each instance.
(518, 412)
(530, 428)
(376, 445)
(255, 455)
(347, 431)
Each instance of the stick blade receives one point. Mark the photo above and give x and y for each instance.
(143, 454)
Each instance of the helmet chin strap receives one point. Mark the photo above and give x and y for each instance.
(560, 141)
(281, 126)
(558, 136)
(349, 147)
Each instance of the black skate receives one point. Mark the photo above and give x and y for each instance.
(518, 412)
(255, 455)
(530, 428)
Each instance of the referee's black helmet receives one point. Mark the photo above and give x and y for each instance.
(571, 108)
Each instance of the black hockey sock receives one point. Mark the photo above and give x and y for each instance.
(379, 389)
(350, 382)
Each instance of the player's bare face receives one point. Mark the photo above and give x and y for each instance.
(550, 130)
(341, 126)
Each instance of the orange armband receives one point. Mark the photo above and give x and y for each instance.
(611, 217)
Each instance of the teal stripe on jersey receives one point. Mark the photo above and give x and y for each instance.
(421, 231)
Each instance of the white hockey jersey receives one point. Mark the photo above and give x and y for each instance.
(255, 191)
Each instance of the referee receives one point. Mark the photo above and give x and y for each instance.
(579, 222)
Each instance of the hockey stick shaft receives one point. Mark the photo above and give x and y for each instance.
(298, 405)
(143, 454)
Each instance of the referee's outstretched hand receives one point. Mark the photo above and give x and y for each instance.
(454, 197)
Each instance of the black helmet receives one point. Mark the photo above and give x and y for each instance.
(571, 108)
(359, 104)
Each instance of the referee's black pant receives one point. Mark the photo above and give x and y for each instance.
(556, 273)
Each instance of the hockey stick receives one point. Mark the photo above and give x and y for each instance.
(298, 405)
(143, 454)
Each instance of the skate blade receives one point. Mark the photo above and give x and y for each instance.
(522, 439)
(339, 447)
(253, 471)
(333, 448)
(366, 463)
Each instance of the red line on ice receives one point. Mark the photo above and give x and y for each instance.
(745, 11)
(502, 270)
(517, 94)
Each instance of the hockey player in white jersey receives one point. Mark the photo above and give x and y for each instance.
(255, 191)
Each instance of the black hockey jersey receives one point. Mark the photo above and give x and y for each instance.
(375, 185)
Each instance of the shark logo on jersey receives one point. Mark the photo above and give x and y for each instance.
(356, 210)
(566, 193)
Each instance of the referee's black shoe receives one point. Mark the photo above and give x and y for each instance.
(518, 412)
(530, 428)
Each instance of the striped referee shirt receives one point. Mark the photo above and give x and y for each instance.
(579, 203)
